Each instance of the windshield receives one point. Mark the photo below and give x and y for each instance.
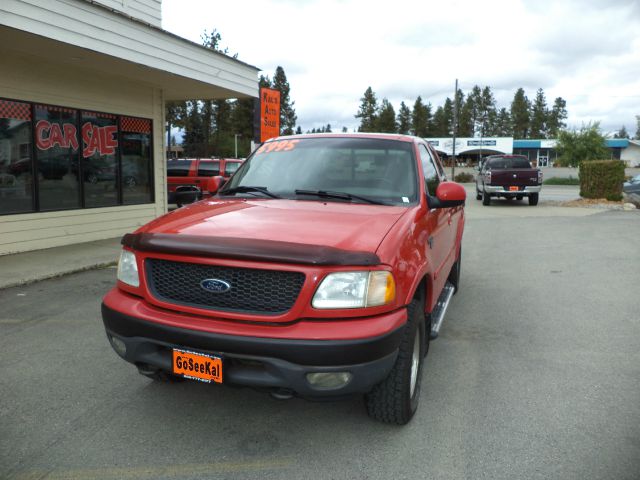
(382, 171)
(500, 163)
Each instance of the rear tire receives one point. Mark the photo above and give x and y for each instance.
(395, 399)
(478, 195)
(533, 199)
(486, 199)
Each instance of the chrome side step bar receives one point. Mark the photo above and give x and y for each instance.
(437, 316)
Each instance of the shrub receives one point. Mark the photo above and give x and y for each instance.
(463, 177)
(562, 181)
(602, 179)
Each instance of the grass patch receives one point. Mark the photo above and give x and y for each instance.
(561, 181)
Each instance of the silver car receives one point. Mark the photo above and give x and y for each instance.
(632, 186)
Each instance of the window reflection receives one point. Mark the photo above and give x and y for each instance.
(16, 164)
(57, 158)
(136, 168)
(99, 159)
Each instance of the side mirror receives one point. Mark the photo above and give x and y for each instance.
(214, 184)
(187, 194)
(448, 194)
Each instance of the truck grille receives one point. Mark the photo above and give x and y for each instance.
(268, 292)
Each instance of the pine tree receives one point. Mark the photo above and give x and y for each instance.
(288, 115)
(241, 119)
(420, 118)
(520, 114)
(469, 113)
(439, 128)
(344, 130)
(637, 135)
(328, 128)
(368, 111)
(539, 116)
(503, 126)
(193, 140)
(622, 133)
(387, 118)
(487, 114)
(556, 117)
(404, 119)
(299, 130)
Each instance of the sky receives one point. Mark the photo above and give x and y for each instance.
(585, 51)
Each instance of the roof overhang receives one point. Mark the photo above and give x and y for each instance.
(89, 36)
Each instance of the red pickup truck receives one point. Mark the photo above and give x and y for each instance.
(508, 176)
(193, 174)
(322, 268)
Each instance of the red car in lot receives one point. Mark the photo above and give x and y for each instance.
(193, 174)
(321, 269)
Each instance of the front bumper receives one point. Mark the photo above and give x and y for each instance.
(275, 364)
(494, 190)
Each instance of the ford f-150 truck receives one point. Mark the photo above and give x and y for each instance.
(508, 176)
(322, 268)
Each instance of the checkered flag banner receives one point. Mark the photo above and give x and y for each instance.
(15, 110)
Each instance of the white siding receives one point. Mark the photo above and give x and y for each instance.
(149, 11)
(97, 29)
(78, 88)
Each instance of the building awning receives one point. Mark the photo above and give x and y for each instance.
(87, 35)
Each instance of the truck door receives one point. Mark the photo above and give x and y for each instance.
(438, 226)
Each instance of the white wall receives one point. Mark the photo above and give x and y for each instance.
(77, 88)
(149, 11)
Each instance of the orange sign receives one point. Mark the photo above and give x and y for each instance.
(269, 114)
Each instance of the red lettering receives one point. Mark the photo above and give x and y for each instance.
(43, 142)
(55, 136)
(110, 142)
(70, 135)
(100, 139)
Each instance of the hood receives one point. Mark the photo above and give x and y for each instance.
(348, 226)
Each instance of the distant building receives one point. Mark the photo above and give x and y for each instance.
(540, 152)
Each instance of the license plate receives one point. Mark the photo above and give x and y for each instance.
(197, 366)
(513, 189)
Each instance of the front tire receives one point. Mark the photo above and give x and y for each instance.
(395, 399)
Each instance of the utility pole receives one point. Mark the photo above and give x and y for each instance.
(455, 127)
(235, 138)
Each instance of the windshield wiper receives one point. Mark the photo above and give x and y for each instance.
(248, 189)
(339, 195)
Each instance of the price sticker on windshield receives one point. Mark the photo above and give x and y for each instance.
(279, 146)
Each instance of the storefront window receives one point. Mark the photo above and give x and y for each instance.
(57, 149)
(58, 158)
(136, 160)
(16, 162)
(99, 159)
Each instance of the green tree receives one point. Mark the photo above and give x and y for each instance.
(637, 136)
(556, 117)
(328, 128)
(622, 133)
(344, 130)
(420, 118)
(387, 118)
(503, 127)
(404, 119)
(576, 146)
(241, 119)
(486, 112)
(299, 130)
(468, 114)
(288, 115)
(539, 116)
(368, 111)
(520, 117)
(193, 140)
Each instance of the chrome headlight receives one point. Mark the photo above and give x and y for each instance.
(128, 269)
(355, 290)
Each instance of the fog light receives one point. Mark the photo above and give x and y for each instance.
(329, 379)
(118, 345)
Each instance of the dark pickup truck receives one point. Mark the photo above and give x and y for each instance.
(508, 176)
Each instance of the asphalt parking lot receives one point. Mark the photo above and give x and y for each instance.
(536, 375)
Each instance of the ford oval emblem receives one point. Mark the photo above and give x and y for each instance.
(215, 285)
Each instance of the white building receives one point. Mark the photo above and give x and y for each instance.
(83, 86)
